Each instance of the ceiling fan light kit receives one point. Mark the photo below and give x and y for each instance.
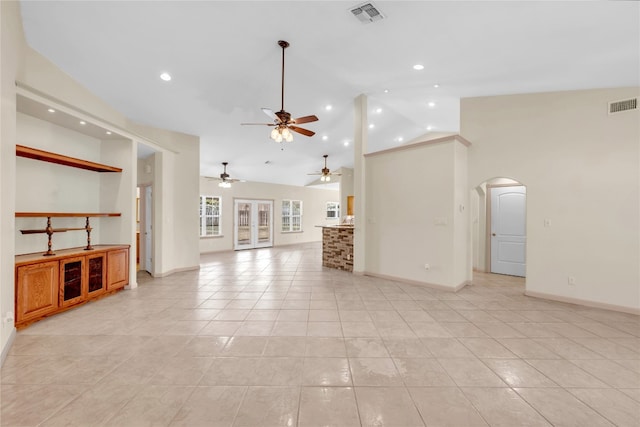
(225, 180)
(325, 173)
(282, 121)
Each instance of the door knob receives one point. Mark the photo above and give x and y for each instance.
(493, 234)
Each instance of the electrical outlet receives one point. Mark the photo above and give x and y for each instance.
(427, 267)
(571, 280)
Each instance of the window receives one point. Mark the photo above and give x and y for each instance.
(291, 215)
(210, 216)
(333, 210)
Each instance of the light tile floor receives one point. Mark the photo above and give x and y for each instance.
(270, 338)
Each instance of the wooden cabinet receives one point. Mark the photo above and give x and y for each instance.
(47, 285)
(38, 294)
(118, 268)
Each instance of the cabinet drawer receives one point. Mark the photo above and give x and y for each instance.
(37, 290)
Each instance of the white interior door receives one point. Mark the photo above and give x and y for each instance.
(508, 230)
(147, 229)
(253, 224)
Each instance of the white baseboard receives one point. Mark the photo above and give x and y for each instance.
(176, 270)
(7, 347)
(586, 303)
(417, 282)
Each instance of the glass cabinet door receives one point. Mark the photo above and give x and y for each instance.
(96, 274)
(71, 280)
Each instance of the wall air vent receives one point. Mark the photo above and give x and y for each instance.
(367, 13)
(625, 105)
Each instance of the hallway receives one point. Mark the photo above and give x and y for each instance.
(269, 337)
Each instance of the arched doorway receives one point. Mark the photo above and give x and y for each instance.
(499, 227)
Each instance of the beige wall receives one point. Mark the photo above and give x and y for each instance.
(43, 187)
(416, 214)
(313, 210)
(582, 172)
(11, 48)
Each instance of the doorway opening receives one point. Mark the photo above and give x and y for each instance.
(253, 224)
(499, 227)
(145, 229)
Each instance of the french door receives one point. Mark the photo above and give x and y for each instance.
(253, 224)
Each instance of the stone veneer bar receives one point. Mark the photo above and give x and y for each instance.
(337, 247)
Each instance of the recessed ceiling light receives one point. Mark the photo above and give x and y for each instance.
(429, 127)
(346, 143)
(329, 107)
(378, 110)
(386, 91)
(418, 67)
(82, 122)
(51, 110)
(325, 137)
(108, 132)
(400, 139)
(432, 104)
(165, 76)
(371, 126)
(436, 85)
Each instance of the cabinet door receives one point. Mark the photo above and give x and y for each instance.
(117, 269)
(36, 290)
(72, 281)
(96, 274)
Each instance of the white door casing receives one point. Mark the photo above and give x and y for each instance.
(508, 230)
(148, 230)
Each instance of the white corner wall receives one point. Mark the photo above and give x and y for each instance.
(314, 202)
(582, 171)
(11, 47)
(413, 213)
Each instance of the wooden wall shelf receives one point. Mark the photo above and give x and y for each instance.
(49, 230)
(63, 214)
(60, 159)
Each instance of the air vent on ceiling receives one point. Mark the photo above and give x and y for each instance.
(625, 105)
(367, 13)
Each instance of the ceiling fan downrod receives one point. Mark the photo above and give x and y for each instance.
(283, 44)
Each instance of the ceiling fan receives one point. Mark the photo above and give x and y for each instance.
(225, 180)
(282, 122)
(325, 173)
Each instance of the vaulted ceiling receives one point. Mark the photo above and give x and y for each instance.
(225, 65)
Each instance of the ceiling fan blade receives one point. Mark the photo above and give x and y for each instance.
(301, 131)
(305, 119)
(212, 178)
(261, 124)
(317, 173)
(269, 112)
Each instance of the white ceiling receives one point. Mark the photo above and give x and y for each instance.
(225, 63)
